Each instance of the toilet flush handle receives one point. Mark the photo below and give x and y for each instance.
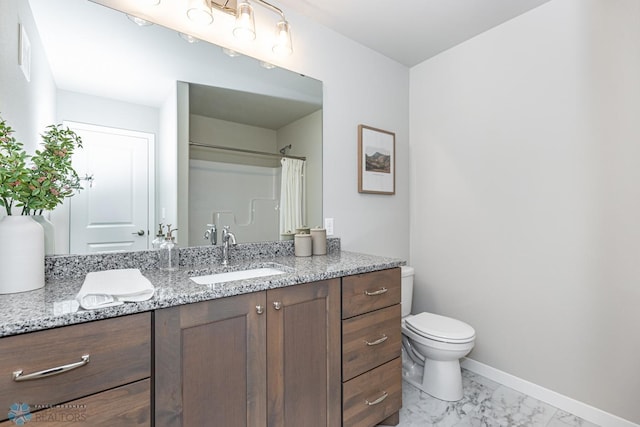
(374, 293)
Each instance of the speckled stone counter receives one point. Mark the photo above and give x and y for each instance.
(49, 307)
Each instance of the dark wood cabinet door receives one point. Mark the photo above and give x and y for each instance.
(303, 355)
(210, 363)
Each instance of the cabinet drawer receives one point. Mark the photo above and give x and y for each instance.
(119, 352)
(370, 340)
(363, 398)
(370, 291)
(125, 406)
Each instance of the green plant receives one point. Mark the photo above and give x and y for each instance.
(41, 181)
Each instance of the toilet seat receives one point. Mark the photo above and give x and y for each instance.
(440, 328)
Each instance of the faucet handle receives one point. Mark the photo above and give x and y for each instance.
(211, 233)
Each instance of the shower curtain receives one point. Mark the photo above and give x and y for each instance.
(292, 195)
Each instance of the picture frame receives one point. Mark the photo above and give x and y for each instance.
(376, 161)
(24, 52)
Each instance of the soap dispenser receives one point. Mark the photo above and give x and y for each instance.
(155, 244)
(168, 252)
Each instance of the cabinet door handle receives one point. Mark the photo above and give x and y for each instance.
(378, 341)
(259, 309)
(378, 400)
(374, 293)
(17, 375)
(277, 305)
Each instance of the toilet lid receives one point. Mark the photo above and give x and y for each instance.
(440, 328)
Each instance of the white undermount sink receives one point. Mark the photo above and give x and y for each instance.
(210, 279)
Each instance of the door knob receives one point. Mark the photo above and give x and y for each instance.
(259, 309)
(277, 305)
(139, 233)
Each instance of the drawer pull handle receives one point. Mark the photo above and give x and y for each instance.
(378, 400)
(378, 341)
(17, 375)
(374, 293)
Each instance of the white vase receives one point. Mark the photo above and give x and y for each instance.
(21, 254)
(49, 234)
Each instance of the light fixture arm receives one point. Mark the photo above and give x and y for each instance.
(272, 7)
(223, 6)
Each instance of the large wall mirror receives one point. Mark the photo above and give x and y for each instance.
(175, 132)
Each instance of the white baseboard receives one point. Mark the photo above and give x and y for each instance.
(582, 410)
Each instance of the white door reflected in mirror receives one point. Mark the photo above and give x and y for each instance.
(111, 213)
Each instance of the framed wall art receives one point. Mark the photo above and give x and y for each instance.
(376, 160)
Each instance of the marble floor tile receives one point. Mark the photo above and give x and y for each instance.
(565, 419)
(419, 408)
(508, 408)
(485, 403)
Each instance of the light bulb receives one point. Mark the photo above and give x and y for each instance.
(245, 28)
(282, 45)
(199, 11)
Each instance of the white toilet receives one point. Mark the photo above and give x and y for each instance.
(432, 346)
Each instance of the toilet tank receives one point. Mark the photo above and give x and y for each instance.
(407, 289)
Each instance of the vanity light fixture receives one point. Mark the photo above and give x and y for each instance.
(282, 44)
(200, 11)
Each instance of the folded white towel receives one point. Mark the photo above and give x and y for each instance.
(114, 287)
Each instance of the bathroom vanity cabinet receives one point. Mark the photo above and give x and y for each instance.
(371, 343)
(318, 354)
(99, 373)
(263, 358)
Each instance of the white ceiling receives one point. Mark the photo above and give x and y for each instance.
(410, 31)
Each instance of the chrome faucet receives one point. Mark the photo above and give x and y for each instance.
(227, 237)
(211, 234)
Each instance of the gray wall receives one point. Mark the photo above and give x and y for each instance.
(212, 131)
(28, 106)
(524, 220)
(360, 87)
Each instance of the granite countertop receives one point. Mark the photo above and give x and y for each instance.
(49, 307)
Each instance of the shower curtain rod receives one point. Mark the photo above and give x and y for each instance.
(241, 150)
